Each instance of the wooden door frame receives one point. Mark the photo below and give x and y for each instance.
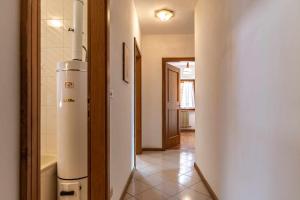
(164, 98)
(98, 26)
(137, 136)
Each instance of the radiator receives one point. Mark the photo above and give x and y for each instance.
(185, 119)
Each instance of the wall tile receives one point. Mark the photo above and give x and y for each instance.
(67, 54)
(43, 9)
(51, 91)
(43, 34)
(43, 119)
(51, 119)
(55, 9)
(43, 59)
(43, 93)
(67, 34)
(43, 143)
(54, 55)
(68, 9)
(51, 143)
(54, 37)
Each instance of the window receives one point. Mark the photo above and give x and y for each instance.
(187, 94)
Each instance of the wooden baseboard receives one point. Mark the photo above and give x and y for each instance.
(187, 130)
(208, 187)
(153, 149)
(127, 184)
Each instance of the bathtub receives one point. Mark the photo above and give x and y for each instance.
(48, 177)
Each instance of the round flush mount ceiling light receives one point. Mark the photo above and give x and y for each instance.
(164, 14)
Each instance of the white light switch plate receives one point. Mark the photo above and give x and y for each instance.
(111, 94)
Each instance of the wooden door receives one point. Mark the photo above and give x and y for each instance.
(172, 106)
(138, 98)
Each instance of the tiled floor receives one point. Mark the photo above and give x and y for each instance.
(187, 140)
(166, 175)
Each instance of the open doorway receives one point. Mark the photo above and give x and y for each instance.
(137, 98)
(178, 103)
(54, 64)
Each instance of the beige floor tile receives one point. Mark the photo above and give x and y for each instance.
(148, 171)
(192, 173)
(183, 169)
(138, 175)
(170, 188)
(186, 180)
(137, 187)
(167, 175)
(151, 180)
(152, 194)
(187, 163)
(173, 198)
(191, 195)
(200, 187)
(127, 196)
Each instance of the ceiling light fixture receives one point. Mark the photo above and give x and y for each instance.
(164, 14)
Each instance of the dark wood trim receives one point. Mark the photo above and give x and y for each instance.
(138, 101)
(187, 130)
(153, 149)
(208, 187)
(98, 27)
(187, 109)
(164, 62)
(177, 59)
(191, 80)
(30, 100)
(124, 62)
(127, 184)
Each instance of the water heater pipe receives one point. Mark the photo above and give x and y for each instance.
(78, 27)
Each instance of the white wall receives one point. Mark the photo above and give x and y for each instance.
(124, 26)
(10, 100)
(156, 47)
(248, 98)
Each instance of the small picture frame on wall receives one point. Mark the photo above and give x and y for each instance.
(125, 63)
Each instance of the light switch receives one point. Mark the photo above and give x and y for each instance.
(111, 94)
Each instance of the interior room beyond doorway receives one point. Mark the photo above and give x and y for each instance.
(187, 103)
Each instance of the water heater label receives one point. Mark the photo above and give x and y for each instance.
(68, 100)
(69, 84)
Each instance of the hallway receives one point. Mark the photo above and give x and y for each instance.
(167, 175)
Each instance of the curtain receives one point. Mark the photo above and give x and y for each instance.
(187, 100)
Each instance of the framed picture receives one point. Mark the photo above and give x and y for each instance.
(125, 63)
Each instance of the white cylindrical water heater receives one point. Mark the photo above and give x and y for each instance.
(72, 130)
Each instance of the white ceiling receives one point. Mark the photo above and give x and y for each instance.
(183, 64)
(182, 23)
(185, 73)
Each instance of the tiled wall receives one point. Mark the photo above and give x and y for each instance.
(55, 47)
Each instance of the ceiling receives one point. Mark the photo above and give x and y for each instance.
(182, 23)
(183, 64)
(185, 73)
